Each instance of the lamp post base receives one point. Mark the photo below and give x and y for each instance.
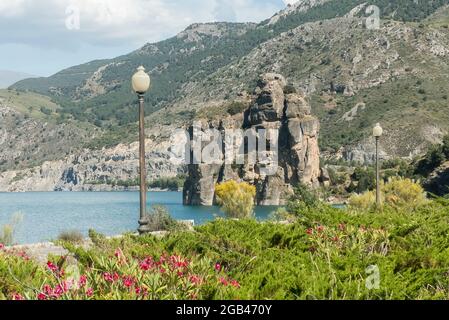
(143, 226)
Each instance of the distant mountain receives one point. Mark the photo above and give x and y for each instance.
(354, 77)
(8, 78)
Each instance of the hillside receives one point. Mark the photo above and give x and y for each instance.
(31, 134)
(352, 76)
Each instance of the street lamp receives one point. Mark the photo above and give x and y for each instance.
(141, 83)
(377, 133)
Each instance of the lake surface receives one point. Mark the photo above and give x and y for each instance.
(47, 214)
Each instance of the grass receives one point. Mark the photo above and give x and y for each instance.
(30, 104)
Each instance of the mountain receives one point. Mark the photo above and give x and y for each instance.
(8, 78)
(352, 76)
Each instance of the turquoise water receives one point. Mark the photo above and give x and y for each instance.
(47, 214)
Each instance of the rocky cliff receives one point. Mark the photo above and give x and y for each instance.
(102, 170)
(289, 115)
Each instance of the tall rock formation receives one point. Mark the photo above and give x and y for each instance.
(289, 115)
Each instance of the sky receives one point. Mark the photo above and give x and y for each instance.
(42, 37)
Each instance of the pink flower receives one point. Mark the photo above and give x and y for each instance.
(223, 281)
(335, 239)
(52, 267)
(2, 246)
(62, 288)
(320, 228)
(177, 262)
(218, 267)
(146, 264)
(235, 284)
(83, 280)
(309, 231)
(17, 297)
(90, 292)
(195, 279)
(141, 291)
(47, 289)
(41, 296)
(23, 255)
(162, 270)
(108, 277)
(120, 256)
(128, 281)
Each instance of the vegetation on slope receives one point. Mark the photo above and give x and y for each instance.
(178, 61)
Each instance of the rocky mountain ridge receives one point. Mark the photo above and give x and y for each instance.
(353, 77)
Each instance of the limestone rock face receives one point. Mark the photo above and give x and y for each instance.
(288, 122)
(91, 170)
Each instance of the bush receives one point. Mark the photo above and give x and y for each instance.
(159, 219)
(72, 236)
(364, 201)
(236, 199)
(7, 232)
(366, 178)
(398, 193)
(236, 107)
(303, 199)
(404, 193)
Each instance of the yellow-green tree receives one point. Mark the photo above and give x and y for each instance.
(398, 193)
(236, 199)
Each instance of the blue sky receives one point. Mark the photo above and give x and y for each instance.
(42, 37)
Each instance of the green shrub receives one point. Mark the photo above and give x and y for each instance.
(365, 201)
(404, 193)
(7, 232)
(159, 219)
(236, 199)
(236, 107)
(303, 199)
(73, 236)
(398, 193)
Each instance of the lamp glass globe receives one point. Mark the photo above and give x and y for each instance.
(377, 131)
(141, 81)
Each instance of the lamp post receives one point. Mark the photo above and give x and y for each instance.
(141, 83)
(377, 133)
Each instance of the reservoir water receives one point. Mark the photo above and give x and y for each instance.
(46, 214)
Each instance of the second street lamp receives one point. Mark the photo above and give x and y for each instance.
(141, 84)
(377, 133)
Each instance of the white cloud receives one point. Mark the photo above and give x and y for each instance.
(113, 21)
(40, 25)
